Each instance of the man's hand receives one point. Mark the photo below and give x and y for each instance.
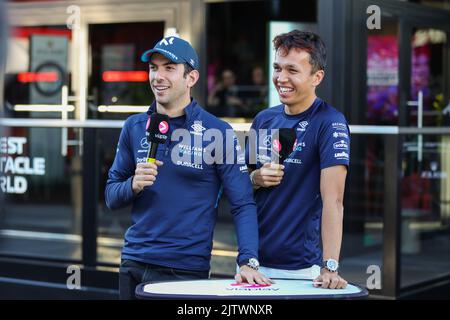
(145, 175)
(247, 274)
(269, 175)
(329, 280)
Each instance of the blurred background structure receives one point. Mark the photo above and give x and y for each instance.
(73, 75)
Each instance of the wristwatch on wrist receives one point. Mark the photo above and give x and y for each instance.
(252, 263)
(331, 265)
(252, 174)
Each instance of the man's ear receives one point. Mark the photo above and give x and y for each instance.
(317, 77)
(192, 78)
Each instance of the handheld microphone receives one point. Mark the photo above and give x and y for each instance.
(283, 146)
(156, 132)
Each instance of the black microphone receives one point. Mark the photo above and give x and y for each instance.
(283, 146)
(156, 132)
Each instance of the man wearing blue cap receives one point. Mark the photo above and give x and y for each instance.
(175, 205)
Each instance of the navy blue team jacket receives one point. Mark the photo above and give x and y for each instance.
(173, 220)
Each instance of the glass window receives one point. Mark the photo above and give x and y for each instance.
(238, 53)
(362, 244)
(118, 80)
(37, 78)
(440, 4)
(424, 186)
(118, 87)
(425, 209)
(40, 168)
(427, 79)
(41, 188)
(111, 224)
(382, 74)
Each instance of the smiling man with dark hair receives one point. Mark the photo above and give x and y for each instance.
(175, 204)
(300, 201)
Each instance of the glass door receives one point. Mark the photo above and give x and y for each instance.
(40, 166)
(117, 88)
(69, 67)
(425, 182)
(402, 161)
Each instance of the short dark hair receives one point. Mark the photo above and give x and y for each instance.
(187, 69)
(307, 41)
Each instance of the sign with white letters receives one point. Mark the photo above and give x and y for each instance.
(14, 165)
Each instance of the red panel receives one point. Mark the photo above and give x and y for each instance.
(26, 32)
(25, 77)
(125, 76)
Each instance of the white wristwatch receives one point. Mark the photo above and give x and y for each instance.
(252, 174)
(252, 263)
(331, 265)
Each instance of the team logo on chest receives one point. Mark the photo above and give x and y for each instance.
(197, 129)
(302, 126)
(144, 145)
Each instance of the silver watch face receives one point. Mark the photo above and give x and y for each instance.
(332, 264)
(253, 263)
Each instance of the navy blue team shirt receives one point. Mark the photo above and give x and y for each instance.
(289, 214)
(173, 220)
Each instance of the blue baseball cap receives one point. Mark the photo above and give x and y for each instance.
(175, 49)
